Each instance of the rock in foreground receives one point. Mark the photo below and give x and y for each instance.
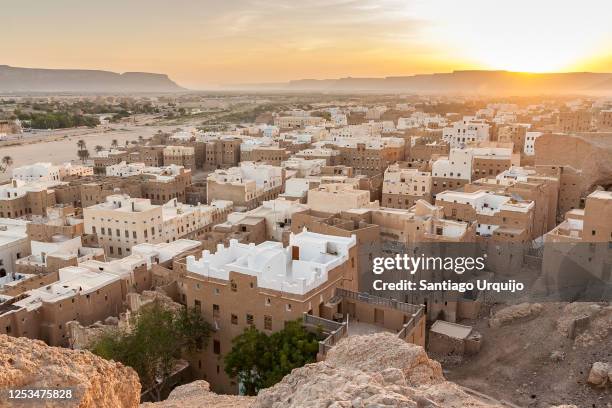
(96, 382)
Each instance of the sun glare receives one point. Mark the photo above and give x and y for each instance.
(526, 36)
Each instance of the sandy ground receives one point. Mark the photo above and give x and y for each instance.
(60, 146)
(514, 364)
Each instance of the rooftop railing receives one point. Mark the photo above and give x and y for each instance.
(376, 300)
(336, 332)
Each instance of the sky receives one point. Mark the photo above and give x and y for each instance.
(206, 43)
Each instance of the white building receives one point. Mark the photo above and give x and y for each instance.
(339, 119)
(122, 222)
(61, 247)
(37, 172)
(276, 213)
(530, 138)
(458, 165)
(301, 167)
(468, 130)
(124, 169)
(486, 204)
(336, 197)
(407, 181)
(75, 170)
(296, 188)
(302, 266)
(14, 244)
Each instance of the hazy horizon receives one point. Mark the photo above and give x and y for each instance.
(204, 44)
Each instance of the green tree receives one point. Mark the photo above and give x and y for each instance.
(99, 148)
(260, 361)
(156, 340)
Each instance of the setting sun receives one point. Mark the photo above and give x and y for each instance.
(206, 43)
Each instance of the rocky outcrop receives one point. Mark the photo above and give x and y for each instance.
(376, 370)
(588, 324)
(95, 382)
(600, 374)
(513, 313)
(198, 394)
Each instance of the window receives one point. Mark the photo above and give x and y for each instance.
(216, 347)
(134, 234)
(234, 286)
(118, 233)
(198, 305)
(216, 310)
(111, 250)
(267, 322)
(289, 307)
(93, 229)
(102, 231)
(250, 319)
(234, 319)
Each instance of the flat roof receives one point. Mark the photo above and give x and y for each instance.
(454, 330)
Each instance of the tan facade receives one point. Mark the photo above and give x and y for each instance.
(423, 152)
(542, 189)
(152, 156)
(27, 203)
(403, 187)
(513, 134)
(48, 321)
(180, 156)
(298, 122)
(574, 121)
(161, 190)
(370, 160)
(233, 305)
(266, 154)
(605, 120)
(222, 153)
(333, 198)
(502, 219)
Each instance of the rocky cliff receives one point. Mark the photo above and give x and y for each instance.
(377, 370)
(95, 382)
(25, 80)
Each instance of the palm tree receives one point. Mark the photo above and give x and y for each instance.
(114, 143)
(81, 144)
(83, 155)
(140, 139)
(99, 148)
(6, 162)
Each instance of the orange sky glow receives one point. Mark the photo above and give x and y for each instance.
(204, 43)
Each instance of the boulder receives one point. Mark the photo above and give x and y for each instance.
(512, 313)
(598, 376)
(96, 383)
